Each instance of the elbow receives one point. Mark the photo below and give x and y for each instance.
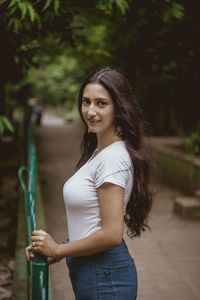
(115, 239)
(117, 242)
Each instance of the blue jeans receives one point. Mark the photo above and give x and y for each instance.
(108, 275)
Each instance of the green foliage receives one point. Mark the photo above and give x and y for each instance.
(28, 11)
(5, 124)
(56, 5)
(155, 46)
(58, 79)
(191, 144)
(153, 42)
(25, 24)
(175, 10)
(107, 6)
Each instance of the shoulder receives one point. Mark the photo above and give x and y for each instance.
(115, 150)
(114, 165)
(114, 157)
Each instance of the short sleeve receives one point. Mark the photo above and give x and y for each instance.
(113, 170)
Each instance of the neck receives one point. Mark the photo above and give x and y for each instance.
(106, 139)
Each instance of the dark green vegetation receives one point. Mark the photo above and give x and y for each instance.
(191, 143)
(48, 47)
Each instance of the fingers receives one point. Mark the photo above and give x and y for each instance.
(43, 243)
(38, 232)
(29, 253)
(37, 238)
(36, 246)
(31, 256)
(37, 243)
(29, 247)
(38, 235)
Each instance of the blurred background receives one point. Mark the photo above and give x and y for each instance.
(47, 49)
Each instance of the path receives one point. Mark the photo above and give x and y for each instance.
(167, 258)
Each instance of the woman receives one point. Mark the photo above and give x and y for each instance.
(109, 187)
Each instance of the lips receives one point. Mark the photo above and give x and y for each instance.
(93, 121)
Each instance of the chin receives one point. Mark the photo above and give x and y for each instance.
(93, 130)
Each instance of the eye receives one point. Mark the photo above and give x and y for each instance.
(102, 103)
(85, 101)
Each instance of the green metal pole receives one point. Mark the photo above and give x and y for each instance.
(32, 168)
(37, 271)
(28, 241)
(39, 278)
(30, 214)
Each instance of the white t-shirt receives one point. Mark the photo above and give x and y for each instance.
(113, 164)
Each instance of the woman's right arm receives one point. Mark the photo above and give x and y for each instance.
(111, 199)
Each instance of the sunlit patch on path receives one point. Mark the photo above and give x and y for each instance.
(48, 119)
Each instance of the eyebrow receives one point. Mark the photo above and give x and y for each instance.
(96, 99)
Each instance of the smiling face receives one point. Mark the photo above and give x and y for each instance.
(98, 109)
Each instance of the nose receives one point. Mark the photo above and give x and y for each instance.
(91, 111)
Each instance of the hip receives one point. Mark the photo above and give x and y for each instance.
(110, 274)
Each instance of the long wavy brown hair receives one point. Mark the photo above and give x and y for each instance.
(130, 119)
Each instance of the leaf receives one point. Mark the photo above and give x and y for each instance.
(175, 10)
(31, 12)
(7, 124)
(10, 23)
(15, 22)
(2, 1)
(122, 5)
(56, 6)
(178, 10)
(12, 3)
(47, 4)
(12, 10)
(23, 8)
(107, 5)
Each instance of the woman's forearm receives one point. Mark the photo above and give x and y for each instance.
(95, 243)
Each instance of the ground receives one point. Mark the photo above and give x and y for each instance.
(167, 257)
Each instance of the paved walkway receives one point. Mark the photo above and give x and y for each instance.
(167, 258)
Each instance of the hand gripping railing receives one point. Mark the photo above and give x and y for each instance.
(37, 271)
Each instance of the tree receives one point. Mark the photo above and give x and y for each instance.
(24, 24)
(156, 44)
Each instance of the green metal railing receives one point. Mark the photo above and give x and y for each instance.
(37, 271)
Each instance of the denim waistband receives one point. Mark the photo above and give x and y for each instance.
(111, 251)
